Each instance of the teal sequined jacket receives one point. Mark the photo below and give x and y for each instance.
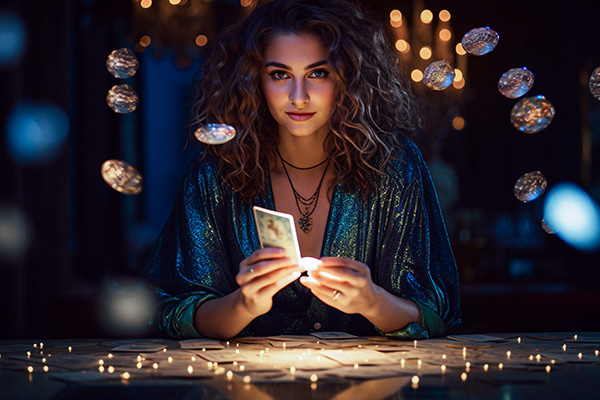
(398, 232)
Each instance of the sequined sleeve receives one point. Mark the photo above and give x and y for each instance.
(416, 259)
(189, 262)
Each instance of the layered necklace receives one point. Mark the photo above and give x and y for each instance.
(306, 205)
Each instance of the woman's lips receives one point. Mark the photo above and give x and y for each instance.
(300, 116)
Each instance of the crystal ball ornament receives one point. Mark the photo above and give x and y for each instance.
(215, 133)
(438, 75)
(530, 186)
(122, 177)
(547, 228)
(480, 41)
(515, 82)
(122, 63)
(532, 114)
(595, 83)
(122, 99)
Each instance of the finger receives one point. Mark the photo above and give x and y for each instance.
(312, 283)
(323, 293)
(264, 267)
(256, 284)
(331, 275)
(272, 289)
(344, 262)
(266, 253)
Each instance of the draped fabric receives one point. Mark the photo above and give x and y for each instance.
(398, 231)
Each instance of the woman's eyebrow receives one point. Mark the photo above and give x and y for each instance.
(283, 66)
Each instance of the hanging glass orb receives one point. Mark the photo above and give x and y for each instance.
(122, 177)
(532, 114)
(122, 99)
(480, 41)
(215, 133)
(530, 186)
(595, 83)
(547, 228)
(122, 63)
(438, 75)
(515, 82)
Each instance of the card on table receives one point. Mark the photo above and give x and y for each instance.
(277, 229)
(333, 335)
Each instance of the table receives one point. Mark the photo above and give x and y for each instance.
(550, 365)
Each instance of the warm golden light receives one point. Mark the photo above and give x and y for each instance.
(444, 15)
(201, 40)
(445, 34)
(416, 75)
(402, 46)
(146, 3)
(145, 40)
(458, 75)
(426, 16)
(458, 123)
(395, 15)
(245, 3)
(459, 84)
(463, 376)
(174, 2)
(460, 50)
(425, 53)
(396, 24)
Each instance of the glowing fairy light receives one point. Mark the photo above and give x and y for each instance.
(190, 369)
(111, 369)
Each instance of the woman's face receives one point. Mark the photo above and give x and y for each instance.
(297, 84)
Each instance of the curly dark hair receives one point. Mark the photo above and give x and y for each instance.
(374, 101)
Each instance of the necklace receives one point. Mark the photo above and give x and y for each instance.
(306, 206)
(302, 168)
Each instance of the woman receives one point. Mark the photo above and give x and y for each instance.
(322, 116)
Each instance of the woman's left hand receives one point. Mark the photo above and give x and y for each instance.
(343, 284)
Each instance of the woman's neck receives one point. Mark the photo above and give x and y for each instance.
(302, 152)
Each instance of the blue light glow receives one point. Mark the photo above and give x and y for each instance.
(574, 216)
(35, 133)
(12, 38)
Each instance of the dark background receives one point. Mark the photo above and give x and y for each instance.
(86, 238)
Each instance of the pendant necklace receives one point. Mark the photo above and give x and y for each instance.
(306, 206)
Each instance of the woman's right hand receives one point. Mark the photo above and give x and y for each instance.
(262, 274)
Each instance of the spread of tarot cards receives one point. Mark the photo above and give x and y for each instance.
(277, 229)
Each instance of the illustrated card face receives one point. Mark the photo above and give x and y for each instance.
(276, 229)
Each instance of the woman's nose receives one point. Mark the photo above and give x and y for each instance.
(299, 96)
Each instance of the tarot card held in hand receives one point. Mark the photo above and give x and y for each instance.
(276, 229)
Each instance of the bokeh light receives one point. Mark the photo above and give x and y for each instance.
(36, 132)
(460, 50)
(573, 215)
(480, 41)
(145, 40)
(458, 123)
(125, 307)
(416, 75)
(425, 52)
(444, 15)
(201, 40)
(146, 3)
(445, 34)
(15, 233)
(395, 15)
(402, 46)
(13, 38)
(426, 16)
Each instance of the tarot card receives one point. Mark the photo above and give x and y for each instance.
(276, 229)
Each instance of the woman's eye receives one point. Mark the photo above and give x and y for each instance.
(320, 73)
(278, 75)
